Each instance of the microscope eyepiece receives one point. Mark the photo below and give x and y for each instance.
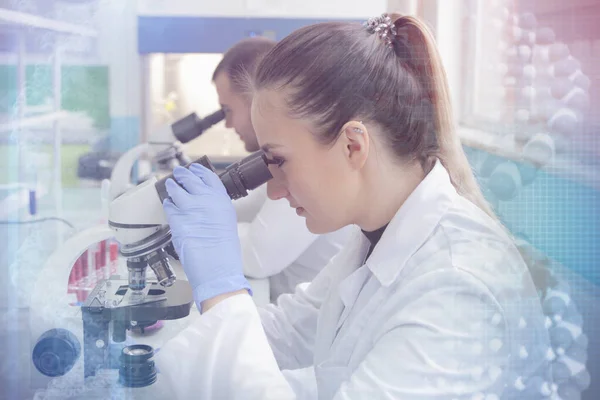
(238, 178)
(190, 127)
(245, 175)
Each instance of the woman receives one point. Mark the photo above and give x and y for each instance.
(431, 301)
(275, 241)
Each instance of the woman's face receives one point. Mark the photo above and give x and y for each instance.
(316, 179)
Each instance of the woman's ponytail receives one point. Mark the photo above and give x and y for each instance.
(417, 50)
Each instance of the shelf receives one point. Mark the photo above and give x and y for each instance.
(16, 18)
(19, 198)
(30, 122)
(561, 165)
(488, 142)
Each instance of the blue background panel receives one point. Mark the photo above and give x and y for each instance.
(559, 216)
(210, 34)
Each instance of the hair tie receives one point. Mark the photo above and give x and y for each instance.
(382, 26)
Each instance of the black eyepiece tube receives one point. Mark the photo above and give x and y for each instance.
(245, 175)
(213, 119)
(238, 178)
(191, 127)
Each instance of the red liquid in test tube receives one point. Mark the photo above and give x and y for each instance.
(74, 277)
(114, 257)
(78, 271)
(103, 257)
(85, 264)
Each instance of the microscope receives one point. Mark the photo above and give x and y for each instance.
(115, 305)
(164, 149)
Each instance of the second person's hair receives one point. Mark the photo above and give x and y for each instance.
(241, 60)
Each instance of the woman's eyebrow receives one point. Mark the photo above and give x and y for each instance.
(268, 146)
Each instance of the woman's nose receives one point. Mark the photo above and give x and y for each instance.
(276, 187)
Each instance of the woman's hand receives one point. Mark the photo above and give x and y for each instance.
(204, 230)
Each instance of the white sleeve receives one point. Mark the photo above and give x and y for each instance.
(224, 354)
(233, 350)
(248, 207)
(291, 325)
(273, 240)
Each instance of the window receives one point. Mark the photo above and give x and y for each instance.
(513, 53)
(486, 48)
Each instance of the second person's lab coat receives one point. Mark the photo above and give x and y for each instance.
(276, 243)
(443, 308)
(246, 208)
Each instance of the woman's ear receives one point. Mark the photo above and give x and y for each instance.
(355, 141)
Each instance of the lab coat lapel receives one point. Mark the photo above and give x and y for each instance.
(349, 261)
(407, 231)
(349, 291)
(412, 225)
(349, 299)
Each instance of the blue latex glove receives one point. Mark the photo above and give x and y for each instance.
(204, 229)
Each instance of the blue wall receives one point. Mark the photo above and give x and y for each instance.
(558, 216)
(209, 34)
(561, 218)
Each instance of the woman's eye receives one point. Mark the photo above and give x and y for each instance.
(279, 161)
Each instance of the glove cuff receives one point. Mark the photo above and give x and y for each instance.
(219, 286)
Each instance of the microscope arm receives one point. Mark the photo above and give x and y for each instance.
(120, 178)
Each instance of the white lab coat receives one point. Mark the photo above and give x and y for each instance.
(276, 243)
(248, 207)
(443, 308)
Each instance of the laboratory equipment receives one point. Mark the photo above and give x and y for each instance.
(164, 148)
(98, 329)
(140, 224)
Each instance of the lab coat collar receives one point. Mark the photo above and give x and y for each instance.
(411, 226)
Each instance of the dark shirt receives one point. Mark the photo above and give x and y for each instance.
(374, 237)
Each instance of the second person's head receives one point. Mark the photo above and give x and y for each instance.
(229, 78)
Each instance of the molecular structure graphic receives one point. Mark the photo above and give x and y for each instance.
(545, 100)
(546, 97)
(569, 344)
